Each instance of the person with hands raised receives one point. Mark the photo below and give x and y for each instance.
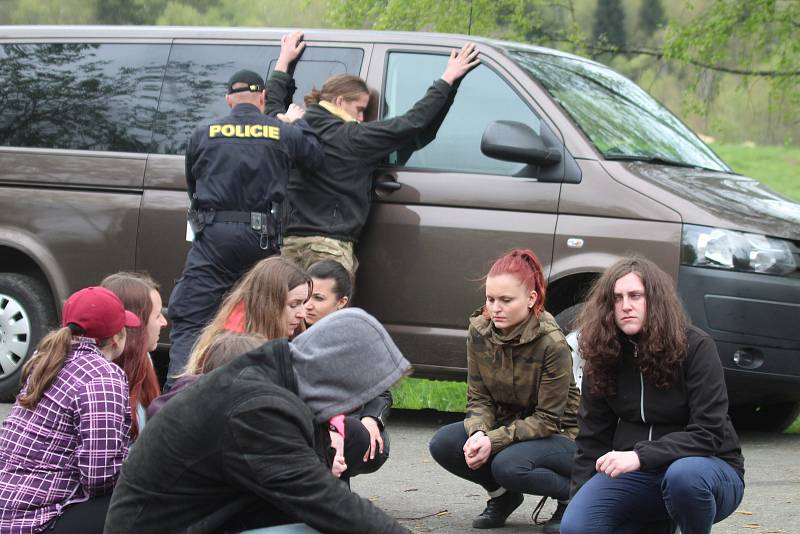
(330, 203)
(655, 445)
(522, 400)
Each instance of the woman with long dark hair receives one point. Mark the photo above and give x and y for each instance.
(63, 443)
(139, 293)
(522, 400)
(655, 443)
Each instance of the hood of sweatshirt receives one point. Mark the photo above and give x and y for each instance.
(343, 361)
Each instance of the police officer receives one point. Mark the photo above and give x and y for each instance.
(237, 168)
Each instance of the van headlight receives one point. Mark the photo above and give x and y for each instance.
(727, 249)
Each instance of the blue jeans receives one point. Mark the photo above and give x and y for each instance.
(536, 467)
(694, 492)
(294, 528)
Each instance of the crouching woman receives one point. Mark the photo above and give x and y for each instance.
(522, 399)
(63, 443)
(655, 445)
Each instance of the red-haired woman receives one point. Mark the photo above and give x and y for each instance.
(522, 401)
(139, 293)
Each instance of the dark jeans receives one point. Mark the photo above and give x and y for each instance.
(537, 467)
(356, 444)
(695, 492)
(88, 516)
(216, 261)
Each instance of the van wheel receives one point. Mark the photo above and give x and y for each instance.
(765, 418)
(26, 314)
(566, 319)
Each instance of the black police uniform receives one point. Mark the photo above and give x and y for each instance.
(237, 168)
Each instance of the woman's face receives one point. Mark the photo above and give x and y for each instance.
(323, 300)
(630, 304)
(354, 108)
(508, 301)
(155, 322)
(295, 311)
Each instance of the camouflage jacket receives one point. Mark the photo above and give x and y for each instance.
(520, 385)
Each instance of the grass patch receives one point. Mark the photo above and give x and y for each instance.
(420, 393)
(778, 167)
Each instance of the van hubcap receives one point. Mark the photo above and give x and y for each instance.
(15, 335)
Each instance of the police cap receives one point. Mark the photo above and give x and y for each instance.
(254, 82)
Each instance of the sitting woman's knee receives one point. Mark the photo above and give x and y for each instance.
(447, 439)
(684, 477)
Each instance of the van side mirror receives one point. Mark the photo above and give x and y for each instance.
(514, 141)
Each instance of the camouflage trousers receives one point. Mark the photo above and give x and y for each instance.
(307, 250)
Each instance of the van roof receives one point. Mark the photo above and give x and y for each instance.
(124, 33)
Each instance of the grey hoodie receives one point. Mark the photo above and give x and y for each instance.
(345, 361)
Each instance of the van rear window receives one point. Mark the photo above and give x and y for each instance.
(80, 96)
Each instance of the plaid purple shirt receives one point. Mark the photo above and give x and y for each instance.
(69, 447)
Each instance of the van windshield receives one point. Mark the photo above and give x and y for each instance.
(620, 118)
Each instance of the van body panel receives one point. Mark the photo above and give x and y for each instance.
(711, 198)
(605, 239)
(755, 315)
(91, 233)
(16, 237)
(72, 168)
(600, 194)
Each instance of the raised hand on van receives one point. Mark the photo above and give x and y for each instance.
(461, 62)
(292, 46)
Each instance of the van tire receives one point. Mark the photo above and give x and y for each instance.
(765, 418)
(26, 315)
(566, 318)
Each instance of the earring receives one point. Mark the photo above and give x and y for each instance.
(530, 306)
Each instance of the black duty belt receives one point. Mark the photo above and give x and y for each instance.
(245, 217)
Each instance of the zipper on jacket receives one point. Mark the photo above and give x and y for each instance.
(641, 397)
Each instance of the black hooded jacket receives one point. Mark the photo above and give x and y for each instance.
(333, 199)
(688, 419)
(238, 444)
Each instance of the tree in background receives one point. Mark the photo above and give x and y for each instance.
(651, 16)
(609, 23)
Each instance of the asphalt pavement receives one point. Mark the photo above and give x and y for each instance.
(425, 498)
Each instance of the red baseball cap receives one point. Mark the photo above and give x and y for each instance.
(98, 312)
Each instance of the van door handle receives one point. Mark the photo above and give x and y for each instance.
(387, 183)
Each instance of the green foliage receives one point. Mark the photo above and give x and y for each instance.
(609, 23)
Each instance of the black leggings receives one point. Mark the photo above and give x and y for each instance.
(86, 517)
(356, 445)
(536, 467)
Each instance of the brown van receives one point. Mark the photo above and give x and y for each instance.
(541, 149)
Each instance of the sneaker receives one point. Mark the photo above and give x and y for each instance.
(553, 525)
(497, 510)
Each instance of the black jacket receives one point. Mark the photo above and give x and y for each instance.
(333, 200)
(241, 162)
(237, 440)
(688, 419)
(378, 408)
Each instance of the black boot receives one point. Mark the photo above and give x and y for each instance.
(497, 510)
(553, 525)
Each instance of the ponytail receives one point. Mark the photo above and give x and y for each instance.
(40, 371)
(348, 86)
(523, 264)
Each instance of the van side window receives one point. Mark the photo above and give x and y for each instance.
(318, 63)
(483, 97)
(195, 85)
(80, 96)
(197, 75)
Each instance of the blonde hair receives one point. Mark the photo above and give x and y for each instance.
(348, 86)
(226, 347)
(263, 292)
